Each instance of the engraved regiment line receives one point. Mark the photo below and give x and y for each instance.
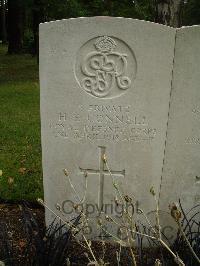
(102, 172)
(104, 69)
(113, 123)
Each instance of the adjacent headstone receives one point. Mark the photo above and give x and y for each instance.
(181, 175)
(105, 92)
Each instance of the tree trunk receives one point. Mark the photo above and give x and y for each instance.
(15, 26)
(110, 7)
(3, 21)
(38, 17)
(169, 12)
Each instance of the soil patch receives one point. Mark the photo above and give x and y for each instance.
(11, 215)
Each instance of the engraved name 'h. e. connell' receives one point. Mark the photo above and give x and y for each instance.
(105, 67)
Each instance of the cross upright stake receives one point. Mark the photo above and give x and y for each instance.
(102, 172)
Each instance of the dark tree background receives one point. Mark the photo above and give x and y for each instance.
(169, 12)
(15, 26)
(3, 21)
(20, 18)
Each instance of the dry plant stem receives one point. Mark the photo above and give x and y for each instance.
(157, 217)
(150, 237)
(73, 188)
(132, 231)
(119, 255)
(115, 237)
(177, 259)
(149, 223)
(103, 248)
(75, 227)
(114, 184)
(127, 233)
(132, 254)
(164, 245)
(145, 235)
(120, 241)
(67, 223)
(188, 243)
(116, 187)
(159, 238)
(81, 201)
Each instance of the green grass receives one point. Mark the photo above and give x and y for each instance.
(20, 147)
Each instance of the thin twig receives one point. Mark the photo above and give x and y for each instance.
(188, 243)
(177, 259)
(67, 223)
(73, 188)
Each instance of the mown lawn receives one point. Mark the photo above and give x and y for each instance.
(20, 147)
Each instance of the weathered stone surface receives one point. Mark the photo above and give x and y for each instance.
(181, 167)
(105, 89)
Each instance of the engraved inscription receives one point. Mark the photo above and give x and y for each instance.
(105, 67)
(198, 180)
(196, 110)
(194, 139)
(113, 123)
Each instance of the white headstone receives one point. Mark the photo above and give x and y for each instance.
(105, 89)
(181, 176)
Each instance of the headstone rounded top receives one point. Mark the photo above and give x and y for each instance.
(106, 19)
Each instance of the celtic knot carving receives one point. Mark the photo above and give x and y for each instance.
(104, 69)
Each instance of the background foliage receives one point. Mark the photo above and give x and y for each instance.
(20, 18)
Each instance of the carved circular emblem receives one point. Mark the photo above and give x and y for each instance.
(105, 67)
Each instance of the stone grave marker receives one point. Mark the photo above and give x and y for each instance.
(181, 170)
(105, 94)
